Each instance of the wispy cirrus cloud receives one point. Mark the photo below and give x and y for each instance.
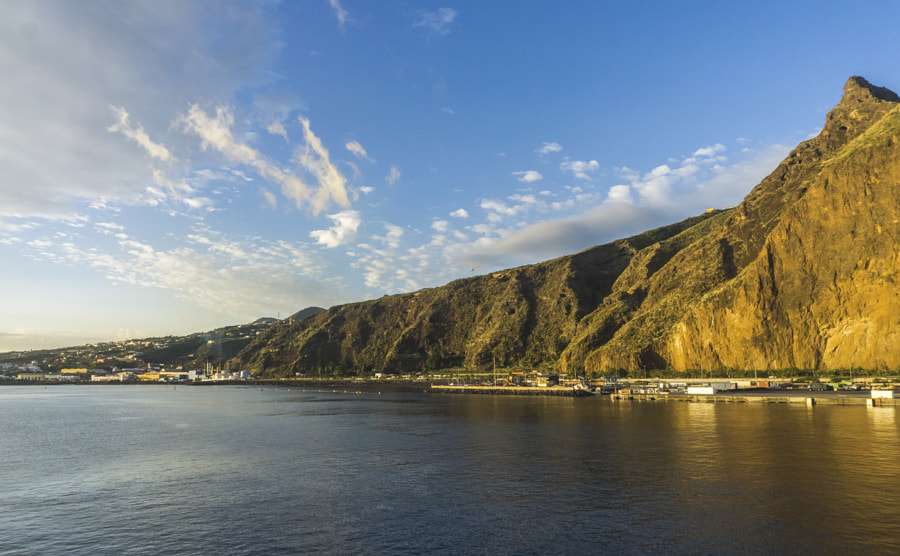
(251, 277)
(138, 135)
(393, 175)
(437, 22)
(342, 15)
(59, 153)
(215, 133)
(356, 148)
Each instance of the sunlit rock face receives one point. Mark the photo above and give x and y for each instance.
(816, 280)
(802, 274)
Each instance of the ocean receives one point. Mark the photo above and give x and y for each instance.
(119, 469)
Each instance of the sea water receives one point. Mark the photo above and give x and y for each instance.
(238, 470)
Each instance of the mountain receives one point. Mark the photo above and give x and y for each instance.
(800, 275)
(303, 313)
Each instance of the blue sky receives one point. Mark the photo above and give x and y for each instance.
(171, 166)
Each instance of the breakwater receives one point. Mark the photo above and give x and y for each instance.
(789, 397)
(797, 397)
(510, 390)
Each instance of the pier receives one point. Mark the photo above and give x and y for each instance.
(805, 397)
(510, 390)
(787, 397)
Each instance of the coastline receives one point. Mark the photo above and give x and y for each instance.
(805, 397)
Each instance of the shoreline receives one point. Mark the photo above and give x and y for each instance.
(791, 397)
(510, 390)
(794, 397)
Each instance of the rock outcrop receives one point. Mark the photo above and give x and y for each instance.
(802, 274)
(817, 288)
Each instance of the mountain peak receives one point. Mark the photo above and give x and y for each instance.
(862, 105)
(858, 89)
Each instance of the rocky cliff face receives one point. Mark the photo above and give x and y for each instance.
(801, 274)
(523, 316)
(821, 291)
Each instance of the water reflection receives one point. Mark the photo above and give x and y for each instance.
(413, 473)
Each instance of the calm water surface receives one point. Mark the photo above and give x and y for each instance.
(231, 470)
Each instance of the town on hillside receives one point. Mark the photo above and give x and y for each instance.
(196, 357)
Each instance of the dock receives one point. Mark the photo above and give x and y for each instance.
(792, 397)
(808, 398)
(510, 390)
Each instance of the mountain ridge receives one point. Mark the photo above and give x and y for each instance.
(740, 288)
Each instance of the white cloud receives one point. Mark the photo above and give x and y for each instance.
(543, 240)
(109, 227)
(656, 186)
(138, 135)
(460, 213)
(366, 189)
(548, 148)
(437, 22)
(509, 235)
(313, 156)
(277, 128)
(580, 168)
(244, 278)
(499, 210)
(269, 197)
(393, 175)
(357, 149)
(529, 176)
(628, 173)
(729, 184)
(620, 194)
(339, 12)
(70, 64)
(197, 202)
(707, 155)
(658, 172)
(447, 110)
(664, 195)
(346, 223)
(392, 238)
(712, 150)
(524, 199)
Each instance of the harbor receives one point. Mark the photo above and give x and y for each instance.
(808, 398)
(872, 398)
(509, 390)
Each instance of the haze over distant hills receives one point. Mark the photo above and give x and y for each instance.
(802, 274)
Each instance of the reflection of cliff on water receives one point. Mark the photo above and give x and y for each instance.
(765, 468)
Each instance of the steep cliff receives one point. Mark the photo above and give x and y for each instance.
(800, 274)
(821, 289)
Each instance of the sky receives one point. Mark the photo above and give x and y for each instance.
(173, 166)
